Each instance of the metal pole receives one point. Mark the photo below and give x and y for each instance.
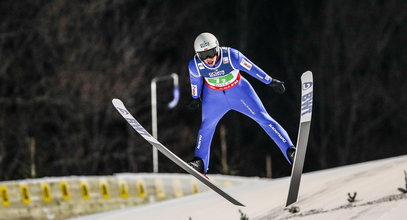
(31, 143)
(154, 121)
(175, 78)
(268, 166)
(176, 94)
(172, 104)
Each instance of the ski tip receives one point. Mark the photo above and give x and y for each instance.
(116, 101)
(308, 72)
(306, 76)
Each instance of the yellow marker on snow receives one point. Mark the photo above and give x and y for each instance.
(64, 190)
(25, 194)
(159, 189)
(84, 190)
(4, 196)
(104, 189)
(46, 192)
(177, 187)
(124, 189)
(194, 187)
(141, 188)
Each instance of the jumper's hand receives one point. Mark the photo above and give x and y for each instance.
(194, 104)
(278, 86)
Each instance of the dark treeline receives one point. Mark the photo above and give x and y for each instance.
(61, 63)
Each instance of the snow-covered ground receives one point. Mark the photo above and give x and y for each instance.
(323, 195)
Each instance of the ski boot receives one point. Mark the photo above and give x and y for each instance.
(197, 164)
(291, 154)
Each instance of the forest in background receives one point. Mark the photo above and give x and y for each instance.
(63, 61)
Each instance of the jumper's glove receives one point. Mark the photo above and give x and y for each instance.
(194, 104)
(278, 86)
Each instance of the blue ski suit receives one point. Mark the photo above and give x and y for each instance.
(223, 88)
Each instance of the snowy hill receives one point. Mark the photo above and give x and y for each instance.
(323, 195)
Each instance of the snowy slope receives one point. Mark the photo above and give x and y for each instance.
(323, 195)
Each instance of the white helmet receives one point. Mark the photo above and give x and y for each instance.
(206, 45)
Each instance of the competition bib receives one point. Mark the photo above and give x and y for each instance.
(223, 82)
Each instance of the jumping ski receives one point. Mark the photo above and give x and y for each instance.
(303, 133)
(118, 104)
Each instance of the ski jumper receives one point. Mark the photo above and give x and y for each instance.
(223, 88)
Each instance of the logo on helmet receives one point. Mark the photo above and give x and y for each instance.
(204, 44)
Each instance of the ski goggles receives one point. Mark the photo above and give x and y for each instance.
(208, 53)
